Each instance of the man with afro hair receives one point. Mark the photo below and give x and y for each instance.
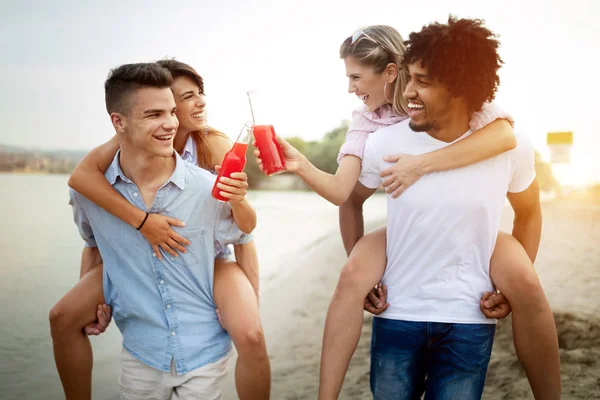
(441, 232)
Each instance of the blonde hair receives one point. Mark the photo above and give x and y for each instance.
(377, 47)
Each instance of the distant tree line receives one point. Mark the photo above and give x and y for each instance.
(35, 162)
(322, 153)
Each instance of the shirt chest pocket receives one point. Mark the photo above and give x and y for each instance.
(199, 251)
(190, 233)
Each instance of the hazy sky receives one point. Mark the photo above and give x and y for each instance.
(56, 55)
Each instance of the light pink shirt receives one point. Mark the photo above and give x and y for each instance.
(365, 122)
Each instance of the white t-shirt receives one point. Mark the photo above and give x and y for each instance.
(442, 230)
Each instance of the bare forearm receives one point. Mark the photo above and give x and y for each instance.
(88, 179)
(104, 195)
(528, 231)
(352, 224)
(90, 258)
(334, 188)
(496, 138)
(245, 255)
(527, 225)
(97, 160)
(244, 216)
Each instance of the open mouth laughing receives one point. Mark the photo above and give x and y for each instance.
(199, 116)
(415, 109)
(165, 138)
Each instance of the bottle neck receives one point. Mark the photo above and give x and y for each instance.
(245, 134)
(239, 149)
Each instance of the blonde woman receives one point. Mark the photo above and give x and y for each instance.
(372, 57)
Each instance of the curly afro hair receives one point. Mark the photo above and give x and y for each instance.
(461, 54)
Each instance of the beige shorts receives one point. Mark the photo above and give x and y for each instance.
(141, 382)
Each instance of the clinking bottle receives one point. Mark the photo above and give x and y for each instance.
(271, 154)
(234, 160)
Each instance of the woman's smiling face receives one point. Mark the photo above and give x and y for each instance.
(367, 84)
(190, 104)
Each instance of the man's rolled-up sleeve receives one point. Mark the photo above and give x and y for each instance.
(226, 231)
(81, 220)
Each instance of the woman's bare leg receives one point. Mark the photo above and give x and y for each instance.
(72, 348)
(534, 329)
(362, 272)
(238, 306)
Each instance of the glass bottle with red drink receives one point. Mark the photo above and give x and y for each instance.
(266, 140)
(234, 160)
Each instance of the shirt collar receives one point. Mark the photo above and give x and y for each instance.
(114, 171)
(384, 115)
(189, 150)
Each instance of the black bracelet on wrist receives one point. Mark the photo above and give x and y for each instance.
(144, 221)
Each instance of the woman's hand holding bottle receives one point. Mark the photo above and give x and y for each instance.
(294, 160)
(235, 187)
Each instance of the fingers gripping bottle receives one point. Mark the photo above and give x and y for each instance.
(234, 160)
(266, 142)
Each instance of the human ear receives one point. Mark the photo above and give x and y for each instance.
(392, 72)
(119, 122)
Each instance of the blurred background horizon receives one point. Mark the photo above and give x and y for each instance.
(56, 56)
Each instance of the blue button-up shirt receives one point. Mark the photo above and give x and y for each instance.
(190, 154)
(164, 309)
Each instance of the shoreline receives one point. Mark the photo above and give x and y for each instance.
(287, 309)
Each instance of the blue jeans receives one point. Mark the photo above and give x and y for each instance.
(446, 361)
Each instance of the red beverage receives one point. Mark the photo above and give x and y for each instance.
(270, 150)
(234, 161)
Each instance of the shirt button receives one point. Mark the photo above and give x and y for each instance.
(168, 306)
(154, 255)
(135, 195)
(161, 282)
(173, 333)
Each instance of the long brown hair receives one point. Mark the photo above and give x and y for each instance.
(177, 69)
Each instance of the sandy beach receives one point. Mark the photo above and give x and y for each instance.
(293, 312)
